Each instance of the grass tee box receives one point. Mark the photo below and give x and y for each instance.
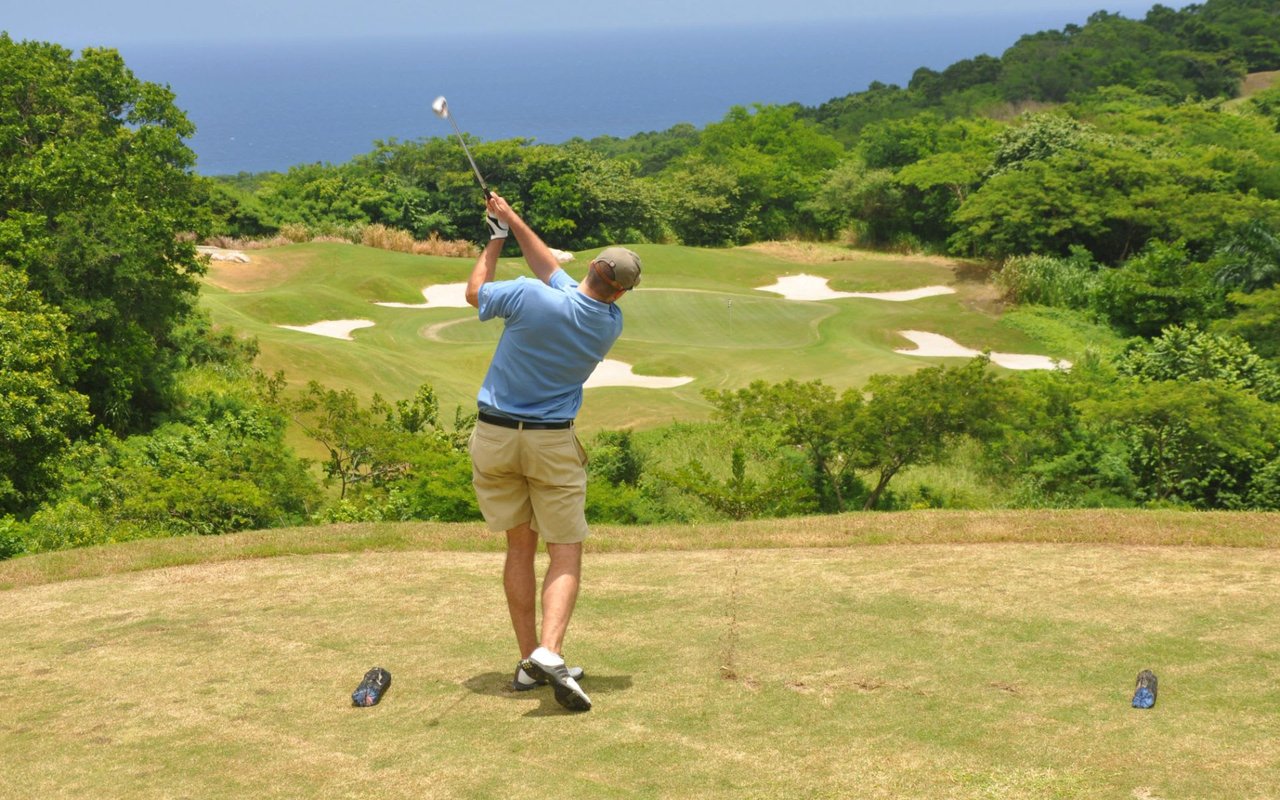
(965, 656)
(700, 313)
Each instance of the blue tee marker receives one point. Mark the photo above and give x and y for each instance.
(1144, 695)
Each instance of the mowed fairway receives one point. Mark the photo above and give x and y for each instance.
(698, 313)
(959, 668)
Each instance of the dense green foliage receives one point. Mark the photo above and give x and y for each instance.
(1187, 354)
(1105, 174)
(389, 462)
(95, 183)
(1200, 51)
(39, 411)
(218, 464)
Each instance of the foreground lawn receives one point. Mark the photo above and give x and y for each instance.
(906, 655)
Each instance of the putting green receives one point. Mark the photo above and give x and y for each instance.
(714, 319)
(699, 313)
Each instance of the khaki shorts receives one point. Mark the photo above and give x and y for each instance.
(539, 477)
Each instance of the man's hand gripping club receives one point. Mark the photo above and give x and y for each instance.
(503, 220)
(536, 253)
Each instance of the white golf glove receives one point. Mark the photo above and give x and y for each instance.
(498, 229)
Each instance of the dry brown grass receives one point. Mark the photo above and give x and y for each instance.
(224, 242)
(295, 232)
(377, 236)
(1256, 82)
(435, 246)
(825, 253)
(233, 243)
(1102, 527)
(384, 238)
(899, 671)
(265, 244)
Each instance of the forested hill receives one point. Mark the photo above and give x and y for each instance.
(1201, 51)
(1126, 117)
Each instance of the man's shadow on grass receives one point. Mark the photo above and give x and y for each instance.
(498, 684)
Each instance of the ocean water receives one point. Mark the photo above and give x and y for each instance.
(260, 106)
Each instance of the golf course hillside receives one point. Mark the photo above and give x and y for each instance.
(353, 317)
(922, 654)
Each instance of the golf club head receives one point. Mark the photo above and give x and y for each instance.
(441, 107)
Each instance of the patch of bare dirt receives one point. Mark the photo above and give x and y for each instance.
(1256, 82)
(263, 271)
(982, 297)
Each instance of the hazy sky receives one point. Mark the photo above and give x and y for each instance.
(76, 23)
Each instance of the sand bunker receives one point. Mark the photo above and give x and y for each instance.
(222, 254)
(442, 295)
(333, 328)
(933, 344)
(619, 373)
(812, 287)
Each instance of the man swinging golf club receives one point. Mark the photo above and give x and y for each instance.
(528, 467)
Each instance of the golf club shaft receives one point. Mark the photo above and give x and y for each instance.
(467, 150)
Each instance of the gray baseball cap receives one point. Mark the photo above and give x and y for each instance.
(625, 265)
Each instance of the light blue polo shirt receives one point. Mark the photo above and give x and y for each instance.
(554, 337)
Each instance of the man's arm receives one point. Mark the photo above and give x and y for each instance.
(536, 253)
(482, 272)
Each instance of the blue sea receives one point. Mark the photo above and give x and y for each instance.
(267, 106)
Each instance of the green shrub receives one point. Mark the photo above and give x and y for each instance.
(1190, 354)
(10, 538)
(1264, 489)
(440, 487)
(71, 523)
(615, 459)
(1049, 281)
(1159, 287)
(391, 506)
(230, 473)
(622, 505)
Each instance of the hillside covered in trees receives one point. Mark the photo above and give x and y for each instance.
(1132, 108)
(1110, 175)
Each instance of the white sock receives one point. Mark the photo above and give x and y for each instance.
(544, 656)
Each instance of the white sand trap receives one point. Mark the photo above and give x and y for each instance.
(333, 328)
(562, 256)
(933, 344)
(442, 295)
(222, 254)
(813, 287)
(619, 373)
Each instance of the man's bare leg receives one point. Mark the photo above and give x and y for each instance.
(521, 586)
(560, 592)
